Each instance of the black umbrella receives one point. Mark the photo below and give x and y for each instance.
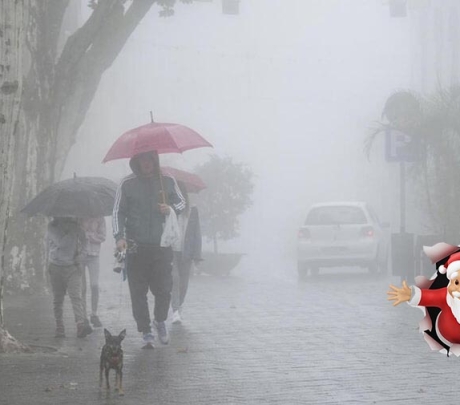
(80, 197)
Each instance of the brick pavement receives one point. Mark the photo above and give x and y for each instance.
(256, 337)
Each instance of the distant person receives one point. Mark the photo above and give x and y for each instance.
(190, 252)
(95, 232)
(66, 253)
(138, 219)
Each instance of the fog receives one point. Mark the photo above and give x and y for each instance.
(288, 87)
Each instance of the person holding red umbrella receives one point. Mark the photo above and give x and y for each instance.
(143, 201)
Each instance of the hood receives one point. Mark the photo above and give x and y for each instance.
(134, 165)
(134, 161)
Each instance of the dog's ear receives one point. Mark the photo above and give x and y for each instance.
(122, 334)
(107, 334)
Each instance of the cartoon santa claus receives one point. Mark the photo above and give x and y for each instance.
(442, 331)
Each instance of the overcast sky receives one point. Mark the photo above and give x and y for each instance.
(288, 87)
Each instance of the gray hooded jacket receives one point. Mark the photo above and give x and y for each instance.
(67, 244)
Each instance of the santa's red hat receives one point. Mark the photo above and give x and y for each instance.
(452, 267)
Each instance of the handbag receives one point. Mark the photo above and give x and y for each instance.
(171, 236)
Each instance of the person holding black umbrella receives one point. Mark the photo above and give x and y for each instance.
(68, 202)
(143, 201)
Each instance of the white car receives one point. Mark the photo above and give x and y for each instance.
(337, 234)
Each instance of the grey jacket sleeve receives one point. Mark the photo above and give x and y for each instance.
(175, 197)
(98, 236)
(119, 214)
(52, 239)
(82, 246)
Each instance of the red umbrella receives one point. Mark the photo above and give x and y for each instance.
(161, 137)
(193, 183)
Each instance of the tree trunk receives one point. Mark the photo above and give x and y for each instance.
(57, 94)
(31, 170)
(13, 20)
(2, 284)
(13, 17)
(214, 241)
(8, 344)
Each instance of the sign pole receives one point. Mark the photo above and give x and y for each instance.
(402, 197)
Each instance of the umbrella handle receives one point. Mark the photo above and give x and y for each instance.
(160, 175)
(163, 197)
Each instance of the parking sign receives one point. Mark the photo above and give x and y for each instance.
(401, 147)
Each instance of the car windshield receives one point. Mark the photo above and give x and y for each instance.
(336, 215)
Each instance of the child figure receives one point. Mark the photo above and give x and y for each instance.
(66, 252)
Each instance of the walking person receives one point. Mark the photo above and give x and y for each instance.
(66, 252)
(95, 231)
(142, 202)
(189, 253)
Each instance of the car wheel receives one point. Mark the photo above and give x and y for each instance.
(302, 270)
(314, 270)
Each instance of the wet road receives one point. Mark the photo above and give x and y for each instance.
(255, 337)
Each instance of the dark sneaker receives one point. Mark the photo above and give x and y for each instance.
(94, 319)
(83, 329)
(88, 327)
(162, 332)
(60, 332)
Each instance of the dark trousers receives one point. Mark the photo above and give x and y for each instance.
(181, 277)
(149, 268)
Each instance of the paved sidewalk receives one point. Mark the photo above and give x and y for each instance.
(256, 337)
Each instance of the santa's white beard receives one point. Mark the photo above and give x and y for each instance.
(454, 304)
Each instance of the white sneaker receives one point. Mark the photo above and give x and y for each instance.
(162, 332)
(176, 318)
(148, 340)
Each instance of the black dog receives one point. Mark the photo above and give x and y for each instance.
(112, 357)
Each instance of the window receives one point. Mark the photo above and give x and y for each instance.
(337, 215)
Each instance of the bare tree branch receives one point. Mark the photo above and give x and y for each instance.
(78, 43)
(83, 76)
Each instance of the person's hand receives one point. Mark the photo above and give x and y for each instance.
(165, 209)
(399, 295)
(121, 245)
